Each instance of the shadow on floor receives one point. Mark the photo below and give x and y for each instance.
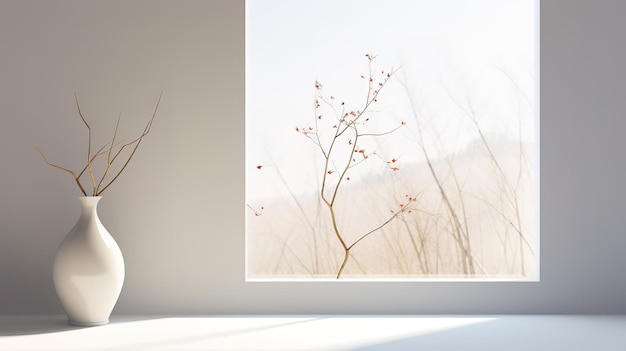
(43, 324)
(512, 333)
(28, 325)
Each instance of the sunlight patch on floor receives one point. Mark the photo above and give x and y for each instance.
(238, 333)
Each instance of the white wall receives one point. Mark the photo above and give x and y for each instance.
(178, 213)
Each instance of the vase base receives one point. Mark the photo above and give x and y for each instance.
(87, 324)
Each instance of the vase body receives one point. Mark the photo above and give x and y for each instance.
(88, 269)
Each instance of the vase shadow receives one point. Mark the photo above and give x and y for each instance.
(34, 324)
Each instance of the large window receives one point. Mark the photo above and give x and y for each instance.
(392, 139)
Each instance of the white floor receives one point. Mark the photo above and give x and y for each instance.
(361, 333)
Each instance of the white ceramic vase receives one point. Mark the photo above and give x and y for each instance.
(88, 269)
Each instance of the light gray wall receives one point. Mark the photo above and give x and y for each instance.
(178, 212)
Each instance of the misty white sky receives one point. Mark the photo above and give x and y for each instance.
(469, 51)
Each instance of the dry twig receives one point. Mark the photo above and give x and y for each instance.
(109, 149)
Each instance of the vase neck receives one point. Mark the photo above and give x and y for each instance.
(89, 203)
